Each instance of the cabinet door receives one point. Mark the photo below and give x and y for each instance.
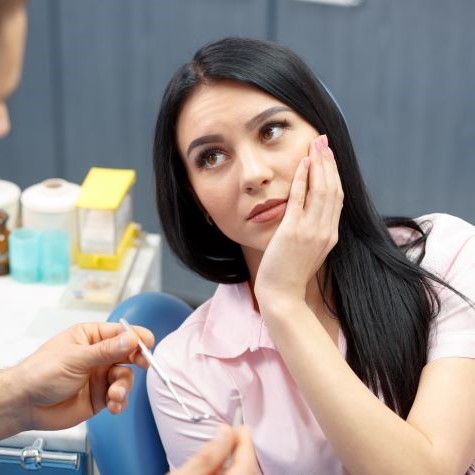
(403, 72)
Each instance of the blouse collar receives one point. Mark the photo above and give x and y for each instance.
(232, 325)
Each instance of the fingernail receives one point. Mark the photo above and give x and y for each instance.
(124, 341)
(122, 392)
(324, 140)
(306, 163)
(328, 154)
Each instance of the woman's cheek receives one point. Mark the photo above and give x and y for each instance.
(294, 162)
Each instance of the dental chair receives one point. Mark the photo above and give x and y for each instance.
(129, 444)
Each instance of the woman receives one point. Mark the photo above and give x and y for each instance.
(347, 341)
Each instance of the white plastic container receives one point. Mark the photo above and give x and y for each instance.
(10, 202)
(51, 205)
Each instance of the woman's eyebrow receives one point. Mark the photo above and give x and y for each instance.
(249, 125)
(204, 140)
(262, 116)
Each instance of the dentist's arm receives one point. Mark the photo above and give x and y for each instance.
(70, 378)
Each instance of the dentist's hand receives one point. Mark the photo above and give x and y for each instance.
(230, 453)
(307, 233)
(75, 374)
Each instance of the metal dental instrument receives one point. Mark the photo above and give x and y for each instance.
(163, 375)
(237, 419)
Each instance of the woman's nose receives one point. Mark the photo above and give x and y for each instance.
(255, 171)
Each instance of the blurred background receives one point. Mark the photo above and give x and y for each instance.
(403, 71)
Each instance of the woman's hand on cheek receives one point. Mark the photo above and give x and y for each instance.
(308, 231)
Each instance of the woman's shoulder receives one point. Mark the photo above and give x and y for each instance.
(187, 335)
(215, 323)
(438, 225)
(447, 237)
(446, 225)
(450, 253)
(182, 356)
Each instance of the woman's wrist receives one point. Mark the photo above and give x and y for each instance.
(282, 309)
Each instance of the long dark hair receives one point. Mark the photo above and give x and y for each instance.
(384, 301)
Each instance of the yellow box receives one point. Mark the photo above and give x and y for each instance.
(105, 223)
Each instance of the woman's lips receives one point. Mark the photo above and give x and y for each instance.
(268, 211)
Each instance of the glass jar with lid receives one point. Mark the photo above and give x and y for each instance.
(4, 260)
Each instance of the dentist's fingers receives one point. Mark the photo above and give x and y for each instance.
(121, 381)
(244, 460)
(211, 457)
(109, 344)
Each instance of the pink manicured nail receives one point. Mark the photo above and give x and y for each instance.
(324, 140)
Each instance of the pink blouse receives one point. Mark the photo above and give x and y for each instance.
(223, 356)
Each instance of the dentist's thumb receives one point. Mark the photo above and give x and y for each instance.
(112, 350)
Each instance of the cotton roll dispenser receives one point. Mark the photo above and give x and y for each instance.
(105, 219)
(51, 205)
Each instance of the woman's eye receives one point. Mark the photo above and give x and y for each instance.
(272, 131)
(210, 159)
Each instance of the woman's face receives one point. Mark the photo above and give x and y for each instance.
(241, 147)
